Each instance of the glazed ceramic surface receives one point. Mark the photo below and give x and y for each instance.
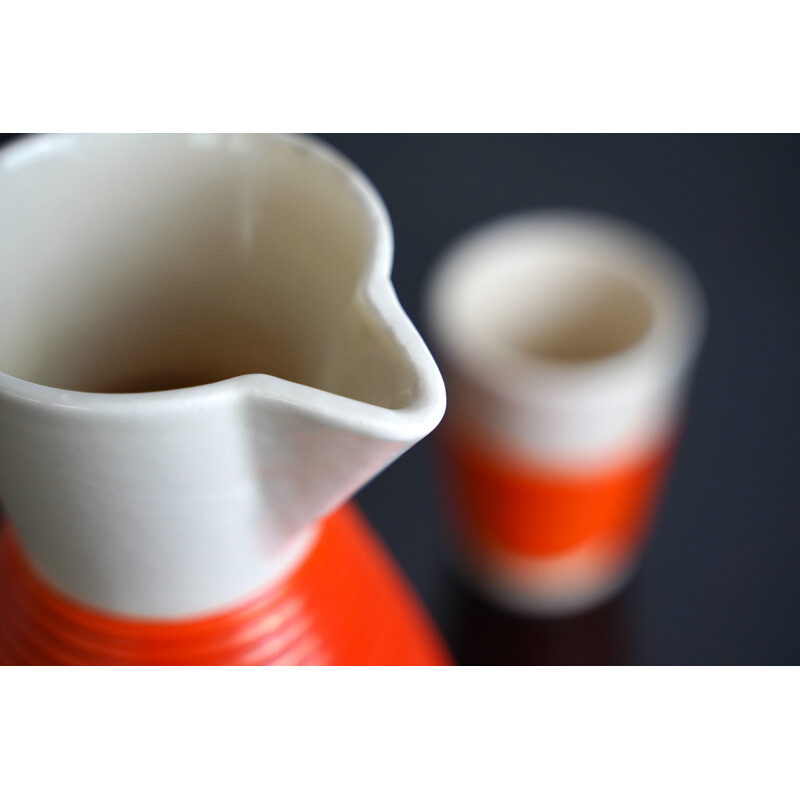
(344, 604)
(568, 340)
(201, 357)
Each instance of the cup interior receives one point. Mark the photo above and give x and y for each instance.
(562, 293)
(574, 314)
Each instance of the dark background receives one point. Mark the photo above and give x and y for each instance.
(720, 580)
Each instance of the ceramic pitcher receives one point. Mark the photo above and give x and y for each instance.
(202, 359)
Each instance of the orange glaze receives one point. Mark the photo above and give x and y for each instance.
(519, 508)
(345, 604)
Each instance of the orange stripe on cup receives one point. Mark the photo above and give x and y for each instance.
(528, 510)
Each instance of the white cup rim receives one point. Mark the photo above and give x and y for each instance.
(662, 353)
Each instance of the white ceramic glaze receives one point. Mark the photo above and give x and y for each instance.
(552, 587)
(259, 263)
(542, 275)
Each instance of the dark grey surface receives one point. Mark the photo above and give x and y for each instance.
(720, 582)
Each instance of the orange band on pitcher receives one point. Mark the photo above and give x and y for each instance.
(536, 512)
(345, 604)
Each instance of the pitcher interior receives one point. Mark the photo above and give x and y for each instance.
(143, 263)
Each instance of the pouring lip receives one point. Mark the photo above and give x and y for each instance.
(410, 422)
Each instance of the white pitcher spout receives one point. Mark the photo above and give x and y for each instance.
(202, 357)
(317, 447)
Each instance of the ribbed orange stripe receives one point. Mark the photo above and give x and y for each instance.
(345, 604)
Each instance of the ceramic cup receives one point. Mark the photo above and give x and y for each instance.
(567, 340)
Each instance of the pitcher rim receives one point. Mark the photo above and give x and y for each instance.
(416, 418)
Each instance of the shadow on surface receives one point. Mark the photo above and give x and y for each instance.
(482, 634)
